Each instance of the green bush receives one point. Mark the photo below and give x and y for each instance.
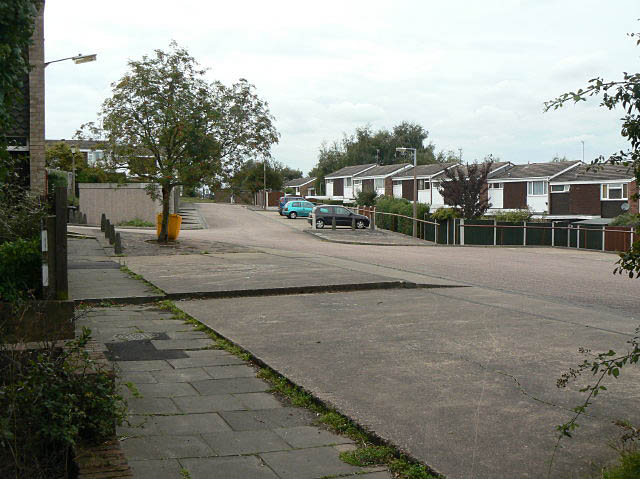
(442, 214)
(516, 216)
(626, 219)
(20, 213)
(398, 206)
(20, 263)
(627, 468)
(137, 222)
(51, 400)
(366, 198)
(55, 179)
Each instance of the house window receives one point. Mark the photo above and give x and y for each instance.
(379, 183)
(311, 191)
(347, 182)
(615, 191)
(496, 186)
(435, 185)
(536, 188)
(559, 188)
(329, 182)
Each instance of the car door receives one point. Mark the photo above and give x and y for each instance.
(306, 208)
(324, 213)
(343, 216)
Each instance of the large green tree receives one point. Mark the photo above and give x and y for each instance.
(616, 94)
(167, 125)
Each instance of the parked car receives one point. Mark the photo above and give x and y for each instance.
(293, 209)
(285, 199)
(325, 213)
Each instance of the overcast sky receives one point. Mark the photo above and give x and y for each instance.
(474, 74)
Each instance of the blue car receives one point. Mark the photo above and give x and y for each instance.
(293, 209)
(284, 200)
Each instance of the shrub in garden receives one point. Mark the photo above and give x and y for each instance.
(20, 263)
(366, 198)
(20, 213)
(515, 216)
(398, 206)
(443, 214)
(626, 219)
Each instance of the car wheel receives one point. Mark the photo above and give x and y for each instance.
(281, 214)
(360, 224)
(293, 215)
(319, 224)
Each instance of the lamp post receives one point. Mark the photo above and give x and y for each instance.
(415, 187)
(264, 164)
(77, 59)
(74, 149)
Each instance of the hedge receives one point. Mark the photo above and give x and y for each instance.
(399, 206)
(20, 264)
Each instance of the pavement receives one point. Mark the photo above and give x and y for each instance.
(202, 413)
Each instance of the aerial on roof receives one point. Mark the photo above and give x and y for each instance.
(424, 170)
(596, 173)
(350, 170)
(299, 182)
(535, 170)
(383, 170)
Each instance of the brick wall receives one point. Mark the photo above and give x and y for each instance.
(407, 189)
(584, 200)
(338, 187)
(36, 108)
(633, 190)
(388, 186)
(515, 195)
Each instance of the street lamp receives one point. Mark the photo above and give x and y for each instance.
(415, 187)
(264, 184)
(77, 59)
(74, 149)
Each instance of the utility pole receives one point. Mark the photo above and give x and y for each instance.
(582, 150)
(460, 150)
(377, 156)
(264, 183)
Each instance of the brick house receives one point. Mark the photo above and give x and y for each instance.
(588, 192)
(525, 186)
(378, 179)
(26, 137)
(339, 184)
(302, 186)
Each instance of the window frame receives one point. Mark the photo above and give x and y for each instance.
(605, 191)
(531, 188)
(375, 183)
(493, 187)
(565, 188)
(348, 182)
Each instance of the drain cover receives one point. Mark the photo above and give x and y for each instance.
(137, 336)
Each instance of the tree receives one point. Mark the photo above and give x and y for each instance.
(251, 177)
(60, 156)
(465, 188)
(625, 94)
(167, 125)
(560, 159)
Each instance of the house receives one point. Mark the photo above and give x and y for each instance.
(429, 179)
(378, 179)
(525, 186)
(587, 192)
(339, 184)
(302, 186)
(26, 135)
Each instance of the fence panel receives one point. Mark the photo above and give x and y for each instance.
(617, 238)
(538, 236)
(509, 236)
(478, 236)
(561, 236)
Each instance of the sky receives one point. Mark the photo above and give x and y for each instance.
(474, 74)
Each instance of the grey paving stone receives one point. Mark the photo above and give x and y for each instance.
(258, 400)
(156, 469)
(235, 443)
(137, 377)
(156, 365)
(165, 447)
(138, 426)
(267, 418)
(233, 385)
(246, 467)
(375, 475)
(190, 423)
(309, 436)
(218, 360)
(181, 375)
(209, 353)
(187, 335)
(223, 372)
(165, 326)
(214, 403)
(307, 463)
(182, 343)
(166, 390)
(151, 405)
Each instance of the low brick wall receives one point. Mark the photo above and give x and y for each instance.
(120, 202)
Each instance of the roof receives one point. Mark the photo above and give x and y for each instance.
(81, 144)
(424, 170)
(535, 170)
(350, 170)
(299, 182)
(596, 173)
(496, 165)
(383, 170)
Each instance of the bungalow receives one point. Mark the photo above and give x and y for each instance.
(339, 184)
(593, 192)
(378, 179)
(526, 186)
(302, 186)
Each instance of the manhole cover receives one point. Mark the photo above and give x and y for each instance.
(136, 336)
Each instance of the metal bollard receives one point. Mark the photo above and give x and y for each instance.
(112, 234)
(353, 223)
(117, 247)
(84, 218)
(333, 223)
(107, 228)
(103, 221)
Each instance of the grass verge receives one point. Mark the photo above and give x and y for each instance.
(370, 450)
(138, 223)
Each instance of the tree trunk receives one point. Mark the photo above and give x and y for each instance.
(164, 229)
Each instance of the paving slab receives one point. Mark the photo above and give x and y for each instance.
(245, 273)
(236, 443)
(225, 372)
(247, 467)
(258, 400)
(230, 385)
(463, 379)
(310, 436)
(305, 463)
(214, 403)
(165, 447)
(156, 469)
(151, 405)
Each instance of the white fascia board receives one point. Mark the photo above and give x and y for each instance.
(577, 163)
(348, 176)
(518, 180)
(592, 182)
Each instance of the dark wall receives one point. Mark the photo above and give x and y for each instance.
(367, 185)
(611, 209)
(388, 186)
(560, 204)
(515, 195)
(338, 187)
(407, 189)
(584, 199)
